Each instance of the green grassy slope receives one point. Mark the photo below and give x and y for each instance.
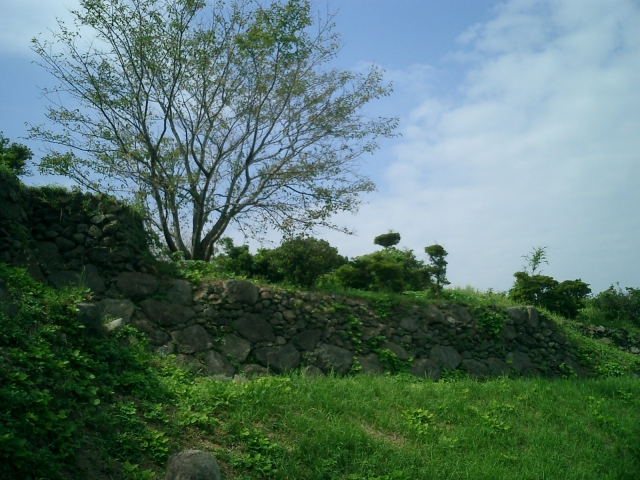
(72, 407)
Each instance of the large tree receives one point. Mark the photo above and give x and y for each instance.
(210, 114)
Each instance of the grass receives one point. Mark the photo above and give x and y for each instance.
(72, 407)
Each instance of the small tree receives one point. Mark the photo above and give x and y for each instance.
(208, 117)
(14, 156)
(537, 257)
(437, 267)
(387, 240)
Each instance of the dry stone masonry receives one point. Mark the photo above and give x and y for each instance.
(232, 327)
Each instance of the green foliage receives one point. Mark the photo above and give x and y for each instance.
(264, 133)
(302, 260)
(491, 319)
(14, 156)
(437, 267)
(565, 298)
(391, 270)
(387, 240)
(537, 257)
(614, 306)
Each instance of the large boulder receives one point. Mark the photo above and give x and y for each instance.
(475, 369)
(241, 291)
(409, 324)
(254, 328)
(165, 313)
(400, 353)
(519, 315)
(216, 364)
(306, 341)
(519, 361)
(49, 254)
(330, 357)
(180, 293)
(192, 465)
(497, 367)
(156, 336)
(136, 285)
(433, 315)
(117, 308)
(279, 359)
(370, 364)
(445, 357)
(192, 339)
(424, 367)
(89, 316)
(236, 347)
(87, 277)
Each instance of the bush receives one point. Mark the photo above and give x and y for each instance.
(391, 270)
(300, 261)
(616, 306)
(564, 298)
(14, 156)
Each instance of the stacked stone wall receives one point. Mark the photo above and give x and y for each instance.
(230, 327)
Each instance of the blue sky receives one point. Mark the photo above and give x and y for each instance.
(520, 123)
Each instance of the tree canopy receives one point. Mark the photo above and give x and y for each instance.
(208, 115)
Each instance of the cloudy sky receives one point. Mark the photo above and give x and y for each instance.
(520, 123)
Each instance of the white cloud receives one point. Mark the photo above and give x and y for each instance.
(541, 148)
(25, 19)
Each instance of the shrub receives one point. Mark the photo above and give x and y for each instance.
(564, 298)
(616, 306)
(300, 260)
(14, 156)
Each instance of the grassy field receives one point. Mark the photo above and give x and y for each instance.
(75, 408)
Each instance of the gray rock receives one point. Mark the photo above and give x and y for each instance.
(64, 245)
(334, 358)
(409, 324)
(519, 361)
(497, 367)
(312, 371)
(433, 315)
(98, 254)
(461, 314)
(241, 291)
(192, 465)
(88, 277)
(253, 370)
(534, 317)
(134, 284)
(189, 362)
(94, 231)
(26, 259)
(445, 357)
(254, 328)
(217, 364)
(306, 341)
(423, 367)
(192, 339)
(115, 325)
(92, 279)
(279, 359)
(164, 350)
(165, 313)
(180, 293)
(475, 368)
(48, 254)
(156, 336)
(370, 364)
(116, 308)
(399, 351)
(508, 332)
(236, 347)
(577, 369)
(558, 338)
(519, 315)
(119, 255)
(89, 316)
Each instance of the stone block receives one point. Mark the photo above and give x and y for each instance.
(279, 359)
(445, 357)
(136, 285)
(332, 358)
(424, 367)
(254, 328)
(165, 313)
(236, 347)
(241, 291)
(192, 339)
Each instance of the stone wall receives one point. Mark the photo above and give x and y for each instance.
(68, 238)
(230, 327)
